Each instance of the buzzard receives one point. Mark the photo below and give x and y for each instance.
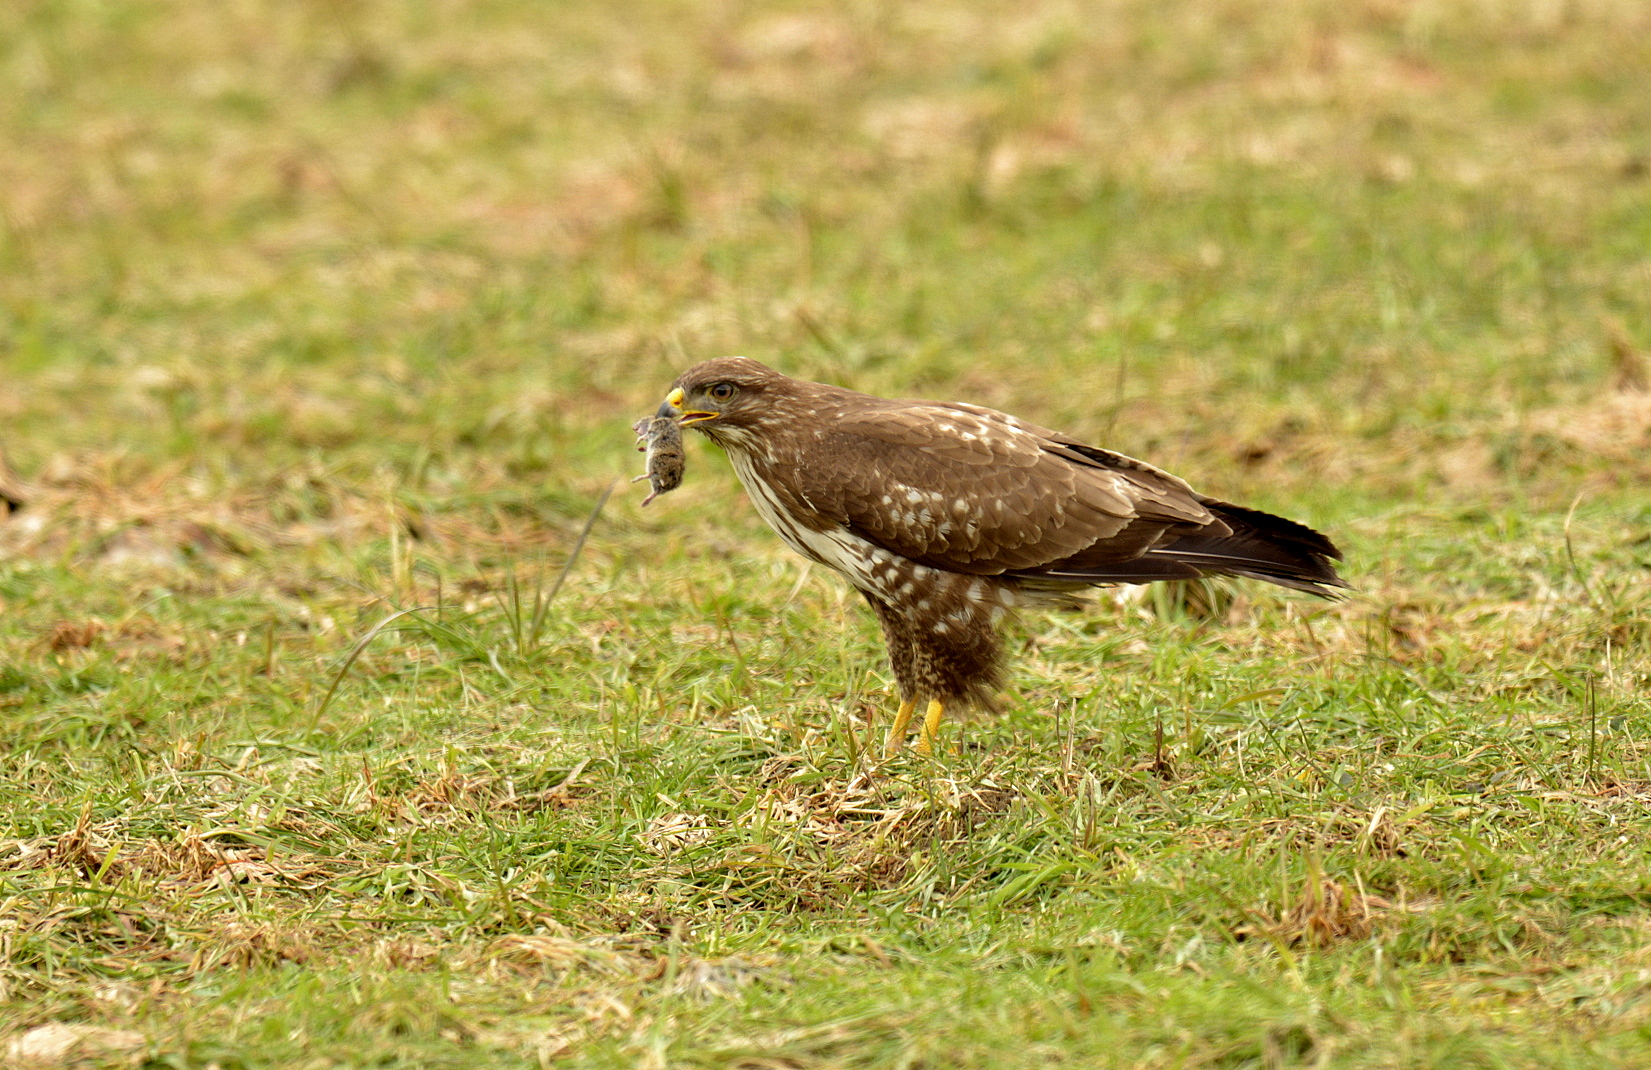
(947, 516)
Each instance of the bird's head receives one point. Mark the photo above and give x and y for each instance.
(725, 397)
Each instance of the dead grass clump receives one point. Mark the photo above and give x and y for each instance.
(564, 955)
(1613, 425)
(100, 853)
(1323, 911)
(1630, 369)
(809, 841)
(1626, 789)
(129, 639)
(669, 833)
(249, 945)
(606, 960)
(1616, 425)
(1372, 834)
(195, 859)
(131, 934)
(72, 635)
(59, 1044)
(1380, 836)
(80, 849)
(594, 1014)
(1413, 630)
(87, 510)
(879, 828)
(453, 793)
(405, 953)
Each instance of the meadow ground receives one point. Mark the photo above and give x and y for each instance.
(321, 328)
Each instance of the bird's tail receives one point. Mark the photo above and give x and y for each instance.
(1261, 547)
(1258, 546)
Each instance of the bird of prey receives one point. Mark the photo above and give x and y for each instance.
(947, 516)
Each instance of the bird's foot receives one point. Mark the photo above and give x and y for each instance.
(931, 726)
(897, 731)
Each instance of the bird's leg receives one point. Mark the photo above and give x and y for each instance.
(931, 726)
(897, 731)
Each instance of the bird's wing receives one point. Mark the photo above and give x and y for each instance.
(969, 489)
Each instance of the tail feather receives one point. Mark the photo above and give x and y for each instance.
(1262, 547)
(1259, 546)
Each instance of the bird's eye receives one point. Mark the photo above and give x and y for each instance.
(723, 391)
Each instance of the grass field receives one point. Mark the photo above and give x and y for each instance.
(322, 325)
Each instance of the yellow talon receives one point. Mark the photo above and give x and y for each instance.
(931, 726)
(897, 731)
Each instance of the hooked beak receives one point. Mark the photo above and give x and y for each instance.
(671, 407)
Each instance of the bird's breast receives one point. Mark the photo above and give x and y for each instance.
(813, 534)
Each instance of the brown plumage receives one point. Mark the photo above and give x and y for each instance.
(947, 516)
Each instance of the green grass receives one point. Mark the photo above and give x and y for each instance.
(322, 326)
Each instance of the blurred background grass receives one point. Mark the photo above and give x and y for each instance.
(1381, 243)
